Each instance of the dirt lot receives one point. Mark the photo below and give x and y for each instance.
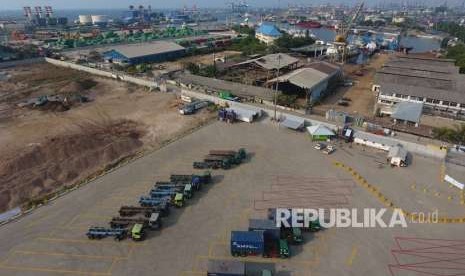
(361, 96)
(46, 147)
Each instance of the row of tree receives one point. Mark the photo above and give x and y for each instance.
(452, 135)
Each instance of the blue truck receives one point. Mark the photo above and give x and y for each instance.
(247, 243)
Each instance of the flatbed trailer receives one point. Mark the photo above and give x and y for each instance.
(129, 211)
(185, 188)
(153, 222)
(95, 232)
(203, 178)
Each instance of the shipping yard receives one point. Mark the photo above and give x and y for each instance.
(148, 141)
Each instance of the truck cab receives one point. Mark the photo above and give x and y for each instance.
(179, 200)
(283, 249)
(188, 191)
(155, 221)
(137, 232)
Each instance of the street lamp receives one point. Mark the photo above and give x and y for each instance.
(277, 84)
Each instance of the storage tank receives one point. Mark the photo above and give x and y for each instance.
(99, 19)
(85, 19)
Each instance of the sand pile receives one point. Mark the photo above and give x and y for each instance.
(43, 168)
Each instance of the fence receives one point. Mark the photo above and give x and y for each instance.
(14, 63)
(104, 73)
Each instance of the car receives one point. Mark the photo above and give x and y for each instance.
(329, 149)
(319, 146)
(343, 103)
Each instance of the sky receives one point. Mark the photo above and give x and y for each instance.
(163, 4)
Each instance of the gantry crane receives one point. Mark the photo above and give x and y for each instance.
(341, 40)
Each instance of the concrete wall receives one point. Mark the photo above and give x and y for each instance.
(14, 63)
(103, 73)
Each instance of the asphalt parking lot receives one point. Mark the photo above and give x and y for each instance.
(283, 169)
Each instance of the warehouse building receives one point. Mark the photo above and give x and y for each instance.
(133, 54)
(313, 81)
(267, 33)
(436, 83)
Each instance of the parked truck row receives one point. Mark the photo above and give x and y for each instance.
(134, 221)
(221, 159)
(234, 268)
(266, 238)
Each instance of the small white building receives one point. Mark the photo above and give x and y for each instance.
(397, 156)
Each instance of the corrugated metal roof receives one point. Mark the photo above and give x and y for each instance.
(320, 130)
(270, 62)
(237, 89)
(303, 77)
(293, 123)
(268, 30)
(147, 49)
(325, 67)
(408, 111)
(375, 138)
(420, 91)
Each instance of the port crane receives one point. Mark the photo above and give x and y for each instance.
(341, 40)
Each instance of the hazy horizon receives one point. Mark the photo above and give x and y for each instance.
(160, 4)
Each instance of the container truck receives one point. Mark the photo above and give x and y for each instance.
(129, 211)
(225, 268)
(247, 243)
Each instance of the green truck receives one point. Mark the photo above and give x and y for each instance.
(138, 232)
(227, 95)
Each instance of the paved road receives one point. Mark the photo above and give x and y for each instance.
(51, 240)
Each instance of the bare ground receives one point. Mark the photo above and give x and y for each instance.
(44, 150)
(361, 96)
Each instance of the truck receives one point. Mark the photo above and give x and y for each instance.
(292, 234)
(220, 160)
(185, 188)
(203, 178)
(225, 268)
(314, 226)
(138, 232)
(236, 157)
(232, 268)
(247, 243)
(255, 243)
(147, 201)
(129, 211)
(269, 228)
(153, 222)
(96, 232)
(228, 116)
(192, 107)
(227, 95)
(212, 162)
(175, 197)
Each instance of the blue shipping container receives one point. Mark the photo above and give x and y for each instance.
(244, 243)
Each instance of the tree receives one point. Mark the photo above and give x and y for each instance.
(286, 42)
(453, 135)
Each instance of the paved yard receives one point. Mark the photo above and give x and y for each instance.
(283, 169)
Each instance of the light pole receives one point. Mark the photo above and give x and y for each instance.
(276, 90)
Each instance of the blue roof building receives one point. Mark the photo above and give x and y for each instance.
(133, 54)
(267, 33)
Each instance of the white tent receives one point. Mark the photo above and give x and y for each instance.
(320, 130)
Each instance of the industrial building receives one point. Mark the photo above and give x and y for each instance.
(144, 53)
(436, 83)
(313, 81)
(247, 92)
(267, 33)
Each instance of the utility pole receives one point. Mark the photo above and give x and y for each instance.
(276, 90)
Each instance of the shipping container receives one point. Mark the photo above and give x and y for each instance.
(268, 226)
(225, 268)
(245, 243)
